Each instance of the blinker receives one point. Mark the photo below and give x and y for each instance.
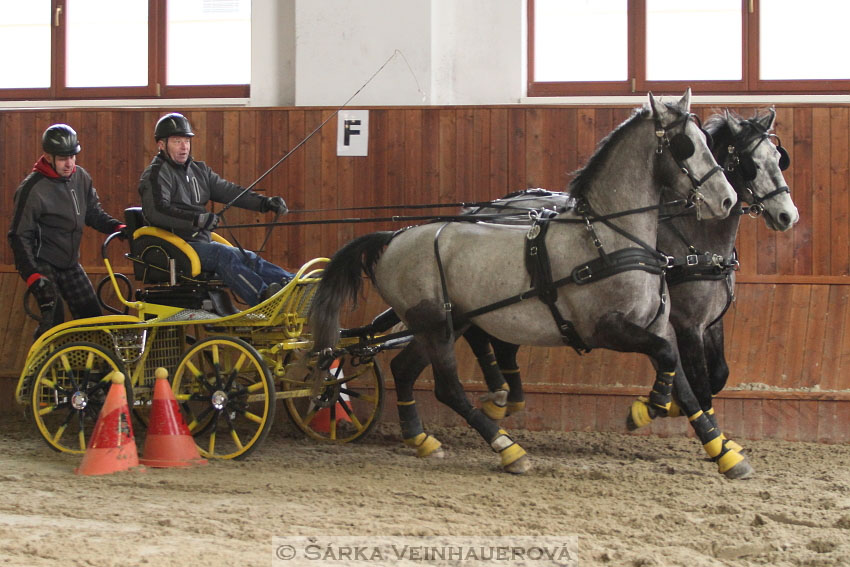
(681, 147)
(784, 158)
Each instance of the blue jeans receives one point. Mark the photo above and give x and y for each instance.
(246, 275)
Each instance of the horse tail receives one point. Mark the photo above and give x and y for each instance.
(342, 280)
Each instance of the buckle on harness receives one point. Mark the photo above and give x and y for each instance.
(447, 306)
(584, 274)
(691, 260)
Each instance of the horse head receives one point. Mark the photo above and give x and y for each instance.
(754, 160)
(679, 134)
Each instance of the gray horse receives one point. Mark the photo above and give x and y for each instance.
(594, 269)
(702, 287)
(701, 281)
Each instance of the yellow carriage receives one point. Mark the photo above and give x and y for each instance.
(227, 367)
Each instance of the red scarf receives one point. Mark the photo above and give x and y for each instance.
(45, 168)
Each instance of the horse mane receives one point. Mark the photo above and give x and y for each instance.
(581, 181)
(718, 127)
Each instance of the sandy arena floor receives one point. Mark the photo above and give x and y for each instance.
(631, 501)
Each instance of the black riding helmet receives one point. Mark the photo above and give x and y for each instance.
(60, 140)
(172, 124)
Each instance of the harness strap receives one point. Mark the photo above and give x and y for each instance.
(537, 264)
(617, 262)
(447, 305)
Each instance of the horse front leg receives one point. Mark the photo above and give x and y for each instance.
(660, 403)
(616, 332)
(718, 370)
(406, 367)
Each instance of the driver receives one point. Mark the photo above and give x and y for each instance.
(175, 191)
(51, 206)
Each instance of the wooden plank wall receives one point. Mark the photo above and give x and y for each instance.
(788, 334)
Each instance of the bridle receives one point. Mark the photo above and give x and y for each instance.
(681, 148)
(740, 157)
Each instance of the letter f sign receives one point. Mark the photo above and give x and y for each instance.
(349, 131)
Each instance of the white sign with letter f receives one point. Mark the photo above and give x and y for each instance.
(352, 133)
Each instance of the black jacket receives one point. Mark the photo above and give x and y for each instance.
(174, 195)
(50, 211)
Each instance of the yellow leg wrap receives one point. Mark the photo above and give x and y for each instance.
(494, 404)
(640, 412)
(729, 460)
(424, 444)
(415, 441)
(515, 407)
(511, 454)
(674, 411)
(731, 445)
(714, 447)
(695, 416)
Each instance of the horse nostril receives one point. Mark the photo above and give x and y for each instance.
(785, 219)
(727, 204)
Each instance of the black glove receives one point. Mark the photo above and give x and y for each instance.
(276, 204)
(206, 221)
(44, 293)
(124, 232)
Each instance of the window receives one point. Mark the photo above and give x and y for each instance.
(720, 46)
(131, 48)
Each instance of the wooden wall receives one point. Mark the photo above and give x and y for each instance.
(788, 334)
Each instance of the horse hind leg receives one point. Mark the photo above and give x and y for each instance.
(406, 367)
(449, 391)
(494, 402)
(506, 354)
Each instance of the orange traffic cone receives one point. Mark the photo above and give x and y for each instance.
(169, 442)
(112, 447)
(321, 422)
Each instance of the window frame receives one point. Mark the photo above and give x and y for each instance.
(157, 72)
(637, 83)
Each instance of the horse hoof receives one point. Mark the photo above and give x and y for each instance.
(519, 466)
(515, 407)
(740, 471)
(639, 414)
(493, 404)
(436, 454)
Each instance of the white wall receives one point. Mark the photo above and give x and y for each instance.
(459, 51)
(272, 52)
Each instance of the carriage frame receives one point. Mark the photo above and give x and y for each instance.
(227, 372)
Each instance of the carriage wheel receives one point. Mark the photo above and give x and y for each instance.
(346, 409)
(226, 393)
(68, 392)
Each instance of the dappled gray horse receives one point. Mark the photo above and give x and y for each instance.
(595, 271)
(702, 273)
(703, 279)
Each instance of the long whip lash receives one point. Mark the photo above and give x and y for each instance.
(304, 141)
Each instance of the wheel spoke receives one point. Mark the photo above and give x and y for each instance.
(204, 413)
(235, 437)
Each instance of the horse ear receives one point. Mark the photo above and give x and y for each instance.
(733, 123)
(659, 109)
(685, 102)
(769, 119)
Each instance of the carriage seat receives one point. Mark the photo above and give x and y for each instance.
(166, 261)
